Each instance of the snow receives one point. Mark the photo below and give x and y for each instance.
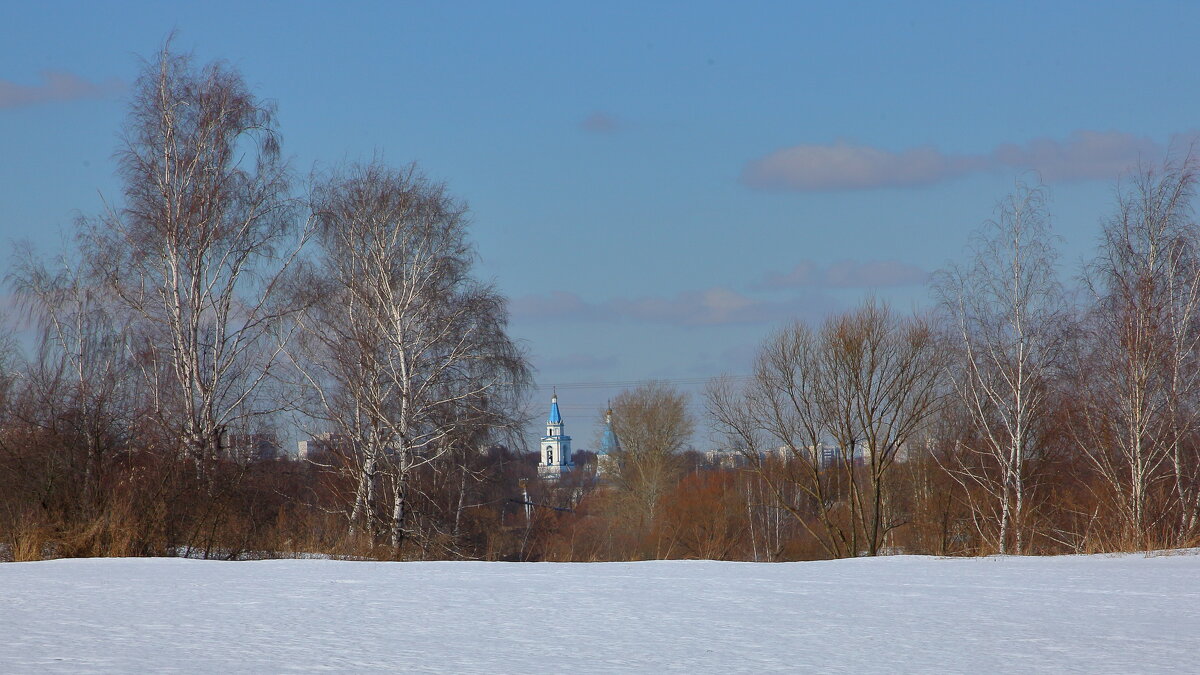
(899, 614)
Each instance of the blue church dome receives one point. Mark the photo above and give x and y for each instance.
(608, 441)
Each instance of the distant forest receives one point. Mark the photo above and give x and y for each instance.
(1032, 410)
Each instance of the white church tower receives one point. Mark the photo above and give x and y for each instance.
(555, 448)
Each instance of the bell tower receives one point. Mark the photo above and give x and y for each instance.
(555, 448)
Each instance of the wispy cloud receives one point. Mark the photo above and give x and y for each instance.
(1085, 155)
(600, 123)
(55, 86)
(843, 165)
(846, 166)
(708, 307)
(847, 274)
(578, 361)
(558, 304)
(711, 306)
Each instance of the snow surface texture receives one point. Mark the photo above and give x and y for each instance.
(899, 614)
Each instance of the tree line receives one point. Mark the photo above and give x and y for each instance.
(223, 297)
(1017, 416)
(1020, 414)
(188, 322)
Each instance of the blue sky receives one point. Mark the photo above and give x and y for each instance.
(656, 188)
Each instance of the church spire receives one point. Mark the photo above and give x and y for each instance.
(555, 416)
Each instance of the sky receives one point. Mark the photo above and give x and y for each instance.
(655, 188)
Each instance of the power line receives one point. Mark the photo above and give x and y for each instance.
(680, 381)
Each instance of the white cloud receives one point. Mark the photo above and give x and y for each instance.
(1084, 155)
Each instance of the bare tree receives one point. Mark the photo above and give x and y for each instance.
(653, 425)
(882, 382)
(866, 383)
(781, 407)
(1141, 411)
(8, 370)
(78, 382)
(194, 253)
(402, 350)
(1009, 321)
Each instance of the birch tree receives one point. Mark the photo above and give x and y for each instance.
(1139, 423)
(1008, 319)
(401, 349)
(193, 254)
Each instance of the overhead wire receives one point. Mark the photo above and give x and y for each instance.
(615, 384)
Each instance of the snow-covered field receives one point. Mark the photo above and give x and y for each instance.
(908, 614)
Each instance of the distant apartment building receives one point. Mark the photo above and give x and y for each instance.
(251, 447)
(827, 454)
(321, 446)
